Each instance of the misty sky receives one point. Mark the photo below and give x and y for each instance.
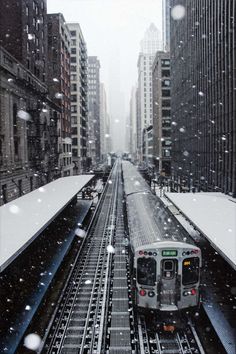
(112, 30)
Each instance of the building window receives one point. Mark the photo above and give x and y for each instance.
(73, 68)
(20, 187)
(74, 130)
(27, 11)
(73, 98)
(73, 33)
(73, 50)
(165, 103)
(73, 77)
(165, 83)
(75, 141)
(4, 193)
(165, 73)
(31, 183)
(73, 87)
(166, 93)
(165, 62)
(165, 113)
(73, 60)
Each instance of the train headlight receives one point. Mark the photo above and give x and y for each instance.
(141, 253)
(142, 292)
(151, 293)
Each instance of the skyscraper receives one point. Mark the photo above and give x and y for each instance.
(94, 149)
(149, 46)
(161, 113)
(79, 98)
(203, 99)
(166, 24)
(23, 33)
(105, 134)
(59, 85)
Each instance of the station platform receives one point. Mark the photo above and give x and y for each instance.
(44, 232)
(23, 219)
(214, 216)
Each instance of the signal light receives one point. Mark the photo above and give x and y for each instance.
(151, 293)
(140, 253)
(142, 292)
(193, 292)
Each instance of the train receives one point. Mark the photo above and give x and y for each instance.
(165, 263)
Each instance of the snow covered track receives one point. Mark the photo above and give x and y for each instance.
(77, 326)
(184, 341)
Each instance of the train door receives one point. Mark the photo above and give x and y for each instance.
(168, 282)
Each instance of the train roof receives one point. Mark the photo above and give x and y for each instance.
(134, 182)
(23, 219)
(162, 244)
(148, 219)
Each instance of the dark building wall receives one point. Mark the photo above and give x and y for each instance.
(59, 68)
(161, 113)
(204, 96)
(28, 131)
(94, 107)
(23, 33)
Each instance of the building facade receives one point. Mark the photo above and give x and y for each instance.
(23, 33)
(94, 149)
(149, 46)
(79, 99)
(132, 144)
(161, 114)
(28, 131)
(105, 134)
(166, 25)
(59, 85)
(203, 99)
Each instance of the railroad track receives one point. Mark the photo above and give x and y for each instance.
(95, 311)
(184, 341)
(78, 321)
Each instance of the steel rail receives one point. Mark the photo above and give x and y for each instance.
(61, 328)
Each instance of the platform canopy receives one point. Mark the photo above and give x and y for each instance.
(23, 219)
(214, 215)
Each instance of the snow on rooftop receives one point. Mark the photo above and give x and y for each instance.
(24, 218)
(214, 215)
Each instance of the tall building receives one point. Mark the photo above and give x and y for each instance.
(105, 134)
(79, 98)
(203, 99)
(166, 24)
(161, 113)
(133, 123)
(23, 33)
(94, 149)
(28, 117)
(59, 85)
(149, 46)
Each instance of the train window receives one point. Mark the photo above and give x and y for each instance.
(190, 270)
(146, 271)
(169, 268)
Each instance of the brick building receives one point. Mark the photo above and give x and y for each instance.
(23, 33)
(59, 85)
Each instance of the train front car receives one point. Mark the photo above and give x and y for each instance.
(164, 260)
(167, 276)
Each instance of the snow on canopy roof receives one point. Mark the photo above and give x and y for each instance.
(23, 219)
(214, 215)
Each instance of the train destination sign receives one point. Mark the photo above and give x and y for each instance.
(169, 253)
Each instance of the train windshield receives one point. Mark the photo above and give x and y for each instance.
(190, 270)
(146, 271)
